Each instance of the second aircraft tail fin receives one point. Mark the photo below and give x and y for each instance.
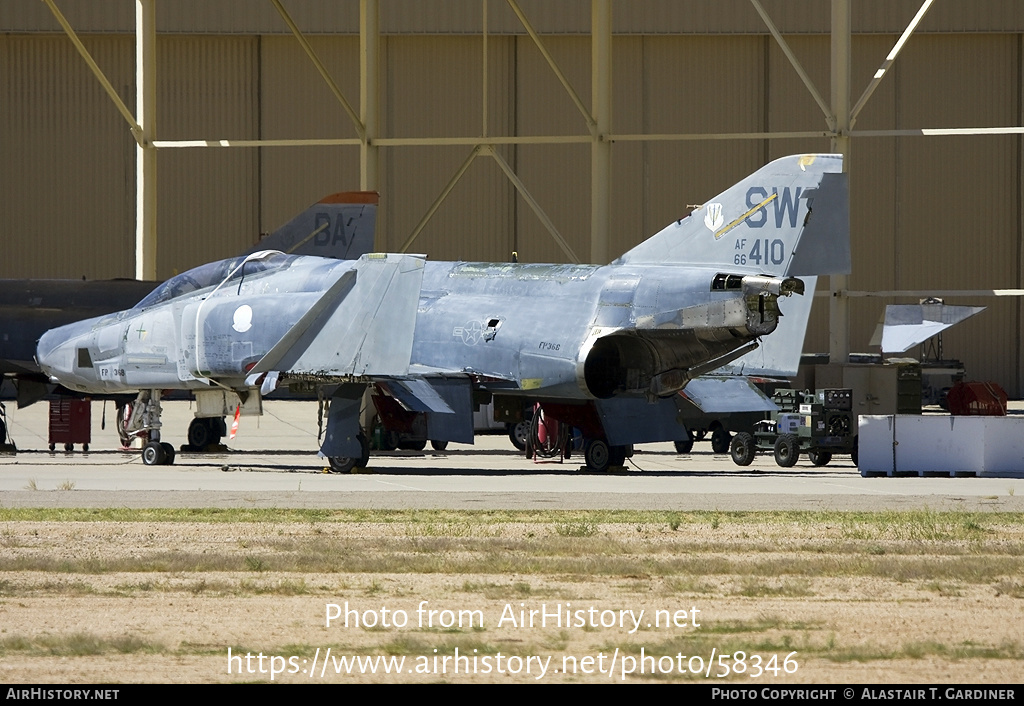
(340, 226)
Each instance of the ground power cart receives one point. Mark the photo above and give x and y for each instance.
(819, 424)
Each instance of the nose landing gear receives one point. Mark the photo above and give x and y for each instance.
(145, 420)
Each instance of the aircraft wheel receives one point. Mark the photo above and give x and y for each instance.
(720, 440)
(389, 440)
(819, 458)
(742, 449)
(199, 433)
(617, 456)
(153, 454)
(346, 464)
(342, 464)
(787, 450)
(597, 455)
(517, 434)
(413, 445)
(438, 445)
(168, 453)
(685, 446)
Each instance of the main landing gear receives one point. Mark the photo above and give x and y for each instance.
(600, 456)
(204, 432)
(347, 464)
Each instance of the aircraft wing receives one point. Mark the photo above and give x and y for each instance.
(362, 326)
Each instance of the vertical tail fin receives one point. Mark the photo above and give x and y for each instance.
(339, 226)
(790, 217)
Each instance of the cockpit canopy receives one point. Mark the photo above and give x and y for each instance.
(212, 274)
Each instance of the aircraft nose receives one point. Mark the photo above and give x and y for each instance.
(53, 354)
(63, 354)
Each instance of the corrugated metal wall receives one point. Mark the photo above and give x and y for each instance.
(206, 209)
(430, 92)
(67, 181)
(927, 212)
(296, 103)
(670, 17)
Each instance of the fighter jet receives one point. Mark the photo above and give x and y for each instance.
(340, 225)
(603, 346)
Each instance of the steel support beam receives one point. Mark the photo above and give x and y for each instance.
(839, 303)
(797, 66)
(897, 48)
(369, 94)
(570, 91)
(601, 148)
(321, 69)
(145, 151)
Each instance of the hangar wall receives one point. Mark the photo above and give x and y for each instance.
(927, 212)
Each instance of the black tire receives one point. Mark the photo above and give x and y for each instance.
(819, 458)
(342, 464)
(787, 450)
(597, 455)
(168, 453)
(413, 445)
(720, 440)
(69, 447)
(199, 433)
(153, 454)
(742, 449)
(616, 456)
(3, 432)
(685, 446)
(346, 464)
(517, 434)
(438, 445)
(389, 440)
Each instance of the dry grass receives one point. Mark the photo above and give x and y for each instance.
(830, 587)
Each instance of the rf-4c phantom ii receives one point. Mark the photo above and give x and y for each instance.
(605, 348)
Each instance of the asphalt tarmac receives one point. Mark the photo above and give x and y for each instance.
(272, 462)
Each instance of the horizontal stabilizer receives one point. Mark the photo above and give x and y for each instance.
(908, 325)
(718, 395)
